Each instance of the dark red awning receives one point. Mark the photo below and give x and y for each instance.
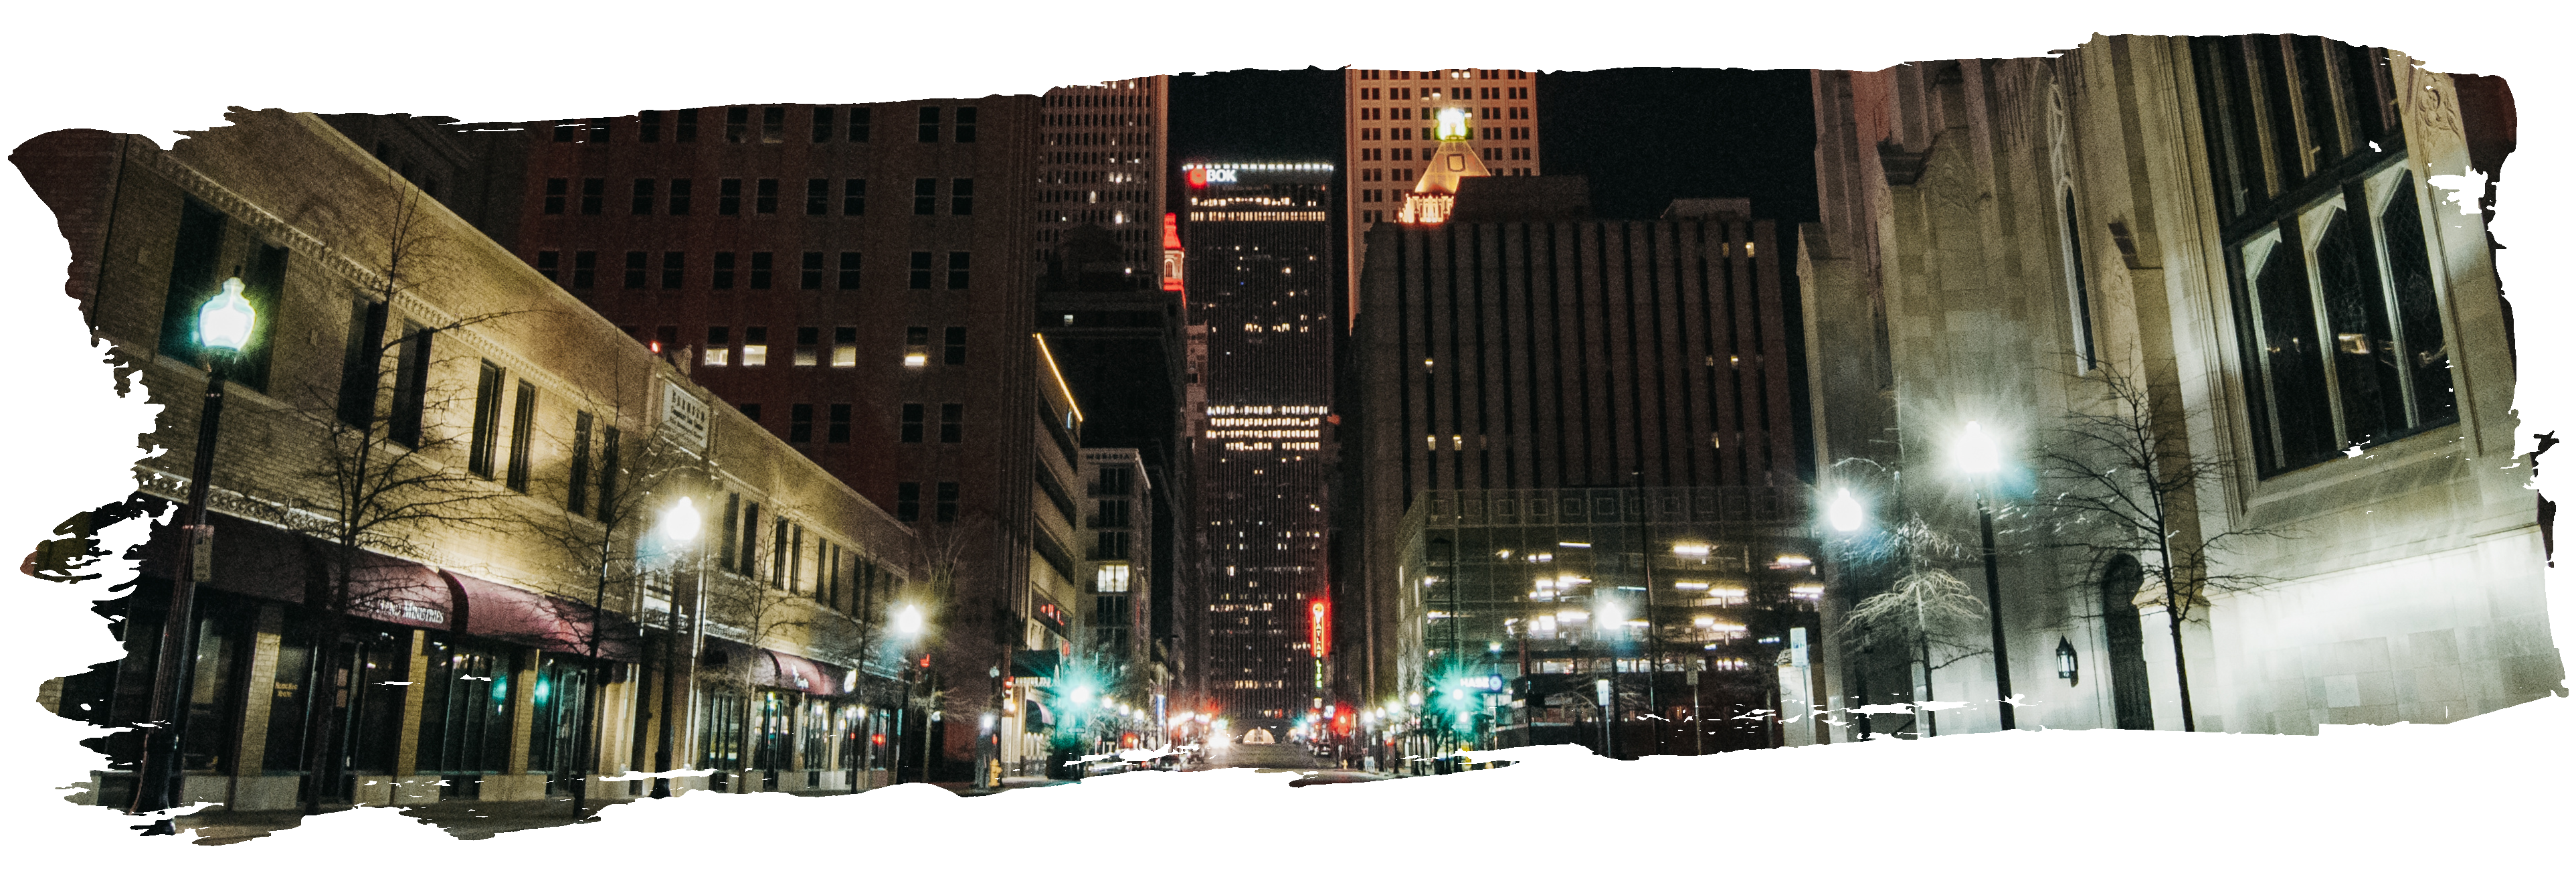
(401, 592)
(529, 618)
(782, 670)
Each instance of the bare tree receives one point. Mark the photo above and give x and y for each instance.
(2131, 482)
(603, 533)
(1925, 609)
(751, 611)
(388, 460)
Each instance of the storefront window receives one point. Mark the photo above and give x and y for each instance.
(213, 705)
(465, 710)
(720, 730)
(371, 726)
(773, 727)
(288, 695)
(559, 699)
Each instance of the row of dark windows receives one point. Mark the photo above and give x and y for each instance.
(721, 349)
(758, 272)
(645, 194)
(1701, 415)
(1477, 73)
(844, 580)
(1373, 113)
(1474, 133)
(907, 502)
(952, 423)
(1479, 93)
(824, 123)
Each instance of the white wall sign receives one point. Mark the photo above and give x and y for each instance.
(684, 417)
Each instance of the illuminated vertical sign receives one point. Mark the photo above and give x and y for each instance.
(1172, 253)
(1319, 618)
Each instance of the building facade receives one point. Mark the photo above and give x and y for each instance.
(1105, 150)
(470, 541)
(1574, 449)
(1392, 135)
(1260, 284)
(859, 280)
(2250, 235)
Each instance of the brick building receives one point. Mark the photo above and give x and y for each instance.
(858, 279)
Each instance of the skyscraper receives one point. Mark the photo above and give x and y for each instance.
(1260, 276)
(1104, 153)
(1391, 135)
(1574, 448)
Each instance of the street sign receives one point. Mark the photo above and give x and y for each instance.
(201, 552)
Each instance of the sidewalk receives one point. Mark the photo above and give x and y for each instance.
(467, 820)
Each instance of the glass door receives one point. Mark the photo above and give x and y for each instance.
(561, 701)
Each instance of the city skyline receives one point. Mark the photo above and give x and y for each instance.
(2070, 243)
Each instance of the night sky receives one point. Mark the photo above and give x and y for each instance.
(1643, 136)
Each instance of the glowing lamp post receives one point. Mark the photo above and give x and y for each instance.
(224, 327)
(1978, 456)
(678, 528)
(908, 624)
(1843, 513)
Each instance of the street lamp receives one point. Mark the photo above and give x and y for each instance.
(988, 744)
(908, 624)
(224, 326)
(679, 527)
(1978, 455)
(2066, 661)
(1844, 512)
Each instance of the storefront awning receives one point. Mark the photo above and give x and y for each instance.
(529, 618)
(399, 592)
(776, 669)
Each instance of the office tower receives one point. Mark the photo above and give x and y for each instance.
(1391, 135)
(1576, 460)
(1260, 281)
(1102, 170)
(1112, 315)
(857, 279)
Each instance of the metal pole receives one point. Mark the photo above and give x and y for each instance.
(1646, 565)
(670, 689)
(1995, 615)
(158, 780)
(901, 717)
(591, 690)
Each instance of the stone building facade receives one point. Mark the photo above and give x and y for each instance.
(2265, 236)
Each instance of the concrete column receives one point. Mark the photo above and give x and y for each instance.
(258, 693)
(407, 748)
(523, 711)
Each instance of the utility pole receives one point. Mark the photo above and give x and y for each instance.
(1646, 563)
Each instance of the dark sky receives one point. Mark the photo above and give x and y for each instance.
(1645, 136)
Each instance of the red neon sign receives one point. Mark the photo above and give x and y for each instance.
(1198, 178)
